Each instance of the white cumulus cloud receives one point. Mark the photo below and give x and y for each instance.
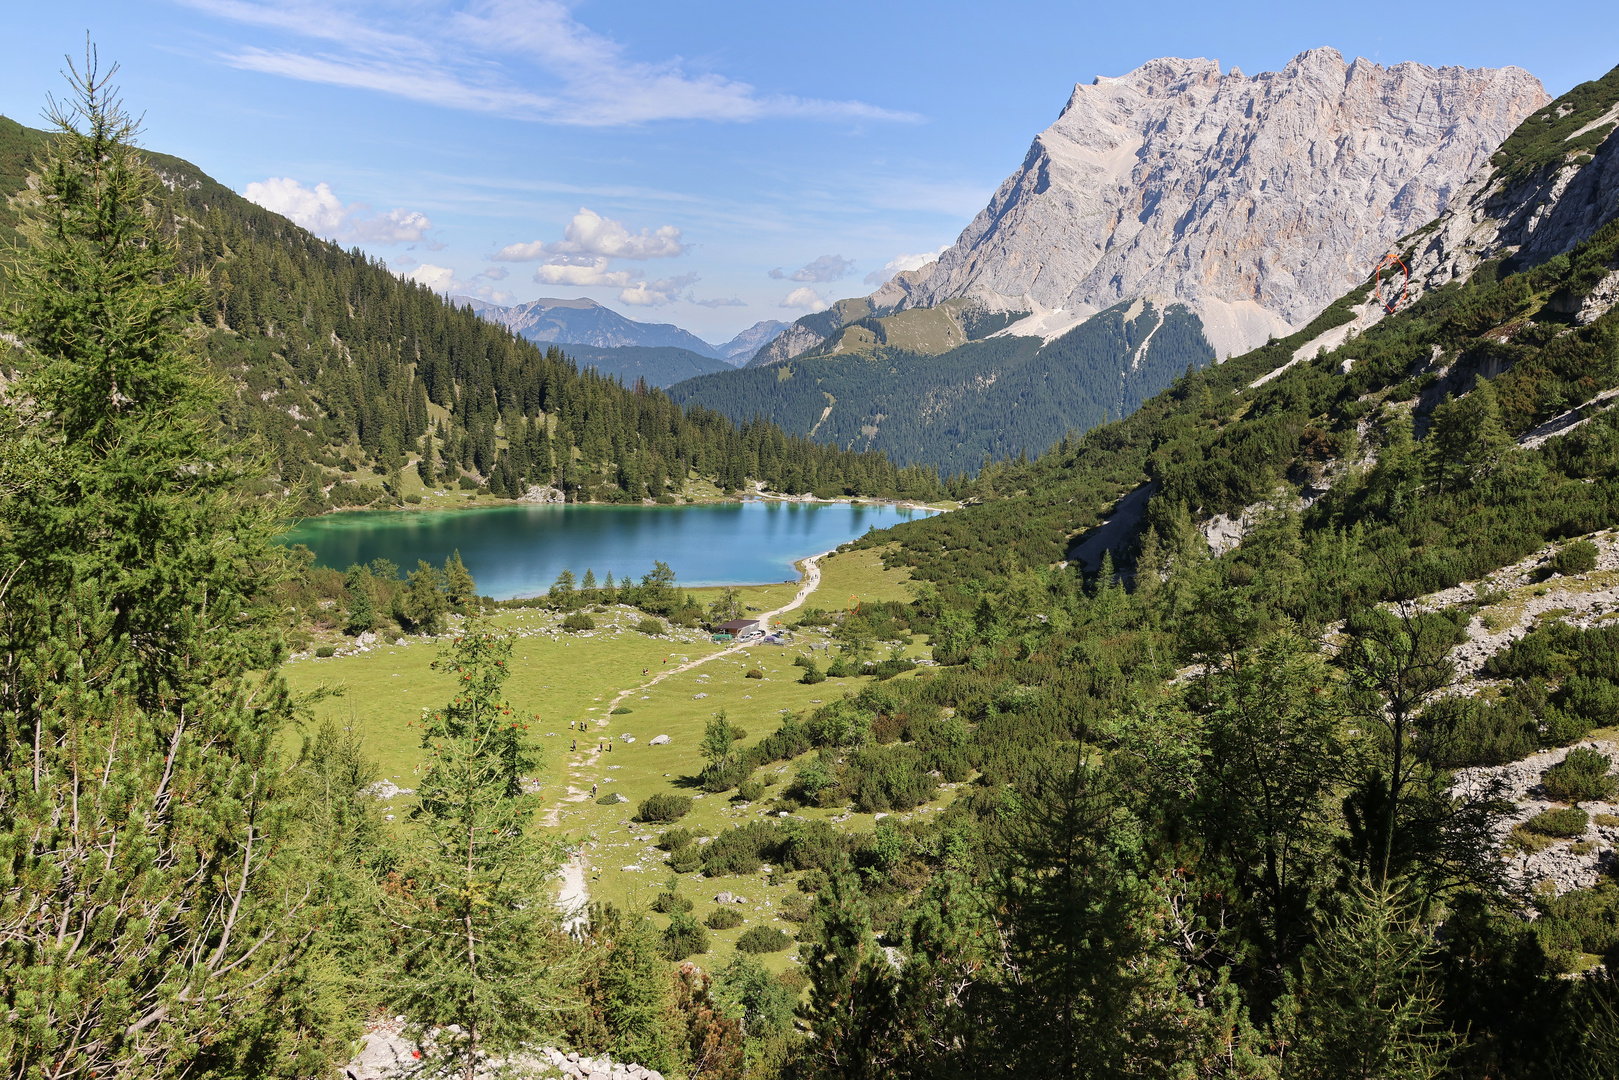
(901, 263)
(585, 273)
(591, 234)
(319, 210)
(441, 279)
(395, 227)
(804, 298)
(316, 209)
(657, 293)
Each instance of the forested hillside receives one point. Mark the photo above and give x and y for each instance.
(984, 401)
(352, 375)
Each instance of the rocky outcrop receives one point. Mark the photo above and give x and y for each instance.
(1531, 219)
(387, 1053)
(1572, 863)
(1254, 200)
(793, 341)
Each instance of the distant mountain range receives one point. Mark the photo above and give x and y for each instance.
(585, 322)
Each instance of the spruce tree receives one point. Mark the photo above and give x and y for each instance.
(459, 588)
(424, 601)
(481, 947)
(149, 912)
(362, 608)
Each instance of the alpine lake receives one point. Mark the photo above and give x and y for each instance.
(518, 550)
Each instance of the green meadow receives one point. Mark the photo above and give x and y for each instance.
(567, 683)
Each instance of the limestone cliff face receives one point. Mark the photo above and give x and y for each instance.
(1532, 218)
(1255, 200)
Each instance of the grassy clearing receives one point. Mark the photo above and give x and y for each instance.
(572, 678)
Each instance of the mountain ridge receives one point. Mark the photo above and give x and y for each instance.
(1203, 187)
(582, 321)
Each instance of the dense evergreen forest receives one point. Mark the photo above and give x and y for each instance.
(988, 400)
(1209, 819)
(351, 375)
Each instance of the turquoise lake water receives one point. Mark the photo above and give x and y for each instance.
(519, 550)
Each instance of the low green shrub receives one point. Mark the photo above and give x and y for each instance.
(1460, 732)
(1581, 921)
(1582, 776)
(753, 673)
(667, 903)
(797, 908)
(887, 669)
(675, 839)
(1565, 823)
(814, 845)
(621, 710)
(413, 500)
(762, 939)
(326, 651)
(686, 859)
(466, 483)
(1580, 557)
(664, 807)
(724, 918)
(578, 621)
(741, 850)
(684, 937)
(650, 627)
(751, 790)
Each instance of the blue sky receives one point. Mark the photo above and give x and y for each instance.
(706, 164)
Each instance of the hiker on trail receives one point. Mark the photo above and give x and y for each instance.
(645, 670)
(592, 791)
(575, 744)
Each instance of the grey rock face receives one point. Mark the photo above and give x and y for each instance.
(789, 343)
(1255, 201)
(1536, 219)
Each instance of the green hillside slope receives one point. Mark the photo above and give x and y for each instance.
(352, 376)
(660, 366)
(986, 400)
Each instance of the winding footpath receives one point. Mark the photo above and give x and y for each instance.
(575, 895)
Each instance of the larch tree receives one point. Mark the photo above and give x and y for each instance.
(482, 956)
(150, 915)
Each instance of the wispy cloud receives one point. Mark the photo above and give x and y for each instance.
(718, 303)
(822, 270)
(527, 59)
(901, 263)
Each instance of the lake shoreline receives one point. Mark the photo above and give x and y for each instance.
(943, 507)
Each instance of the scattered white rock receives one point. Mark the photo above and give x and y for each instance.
(1519, 782)
(385, 789)
(659, 740)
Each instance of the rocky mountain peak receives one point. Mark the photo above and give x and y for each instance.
(1254, 200)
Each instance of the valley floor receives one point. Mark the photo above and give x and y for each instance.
(671, 685)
